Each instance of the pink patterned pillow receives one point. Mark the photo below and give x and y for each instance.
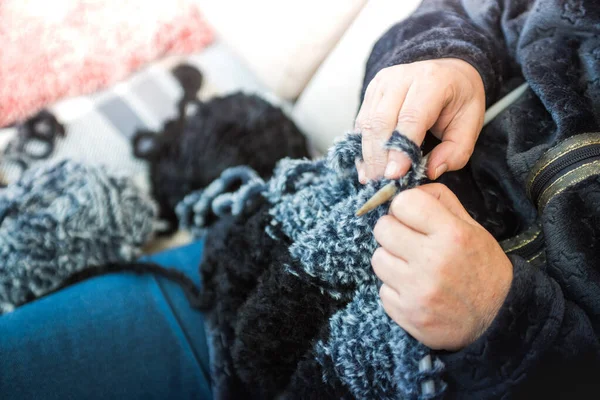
(53, 49)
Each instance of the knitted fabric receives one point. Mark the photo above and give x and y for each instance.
(292, 305)
(59, 219)
(212, 136)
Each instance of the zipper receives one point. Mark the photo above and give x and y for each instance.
(532, 250)
(561, 166)
(530, 245)
(560, 161)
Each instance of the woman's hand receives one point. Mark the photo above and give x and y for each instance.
(445, 96)
(444, 276)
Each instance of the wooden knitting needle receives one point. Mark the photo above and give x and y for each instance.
(382, 195)
(388, 191)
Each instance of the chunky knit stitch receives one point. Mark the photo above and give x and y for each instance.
(59, 219)
(309, 311)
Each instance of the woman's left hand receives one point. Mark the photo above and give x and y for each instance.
(444, 276)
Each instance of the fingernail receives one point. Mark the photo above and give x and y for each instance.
(361, 175)
(440, 170)
(391, 170)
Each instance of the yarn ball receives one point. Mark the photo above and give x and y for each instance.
(59, 219)
(192, 151)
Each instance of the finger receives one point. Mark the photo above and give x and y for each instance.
(398, 239)
(360, 168)
(421, 211)
(420, 110)
(391, 270)
(394, 307)
(458, 141)
(367, 102)
(447, 199)
(377, 123)
(373, 94)
(398, 164)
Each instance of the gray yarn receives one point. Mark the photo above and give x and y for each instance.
(194, 209)
(367, 350)
(59, 219)
(314, 205)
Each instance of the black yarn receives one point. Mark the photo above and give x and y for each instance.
(276, 327)
(190, 79)
(43, 128)
(232, 263)
(39, 131)
(261, 352)
(193, 150)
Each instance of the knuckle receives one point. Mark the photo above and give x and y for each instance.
(422, 320)
(376, 160)
(438, 188)
(410, 116)
(428, 297)
(385, 295)
(463, 156)
(382, 74)
(374, 124)
(459, 236)
(358, 123)
(377, 260)
(418, 316)
(429, 69)
(403, 199)
(397, 205)
(382, 227)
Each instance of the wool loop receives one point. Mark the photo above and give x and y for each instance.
(195, 210)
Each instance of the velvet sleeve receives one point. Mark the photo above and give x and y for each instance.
(443, 29)
(539, 344)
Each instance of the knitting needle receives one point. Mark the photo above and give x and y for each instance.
(381, 196)
(388, 191)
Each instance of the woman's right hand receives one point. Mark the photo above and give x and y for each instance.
(445, 96)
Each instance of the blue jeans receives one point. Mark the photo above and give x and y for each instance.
(120, 336)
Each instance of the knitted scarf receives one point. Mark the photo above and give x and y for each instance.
(291, 301)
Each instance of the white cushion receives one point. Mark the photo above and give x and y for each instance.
(281, 42)
(328, 105)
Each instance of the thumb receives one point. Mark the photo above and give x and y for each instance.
(458, 142)
(448, 156)
(447, 199)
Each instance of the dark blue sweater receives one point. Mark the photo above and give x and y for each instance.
(534, 172)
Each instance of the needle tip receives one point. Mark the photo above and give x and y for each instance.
(382, 195)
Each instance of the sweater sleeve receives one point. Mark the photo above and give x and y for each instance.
(540, 344)
(444, 29)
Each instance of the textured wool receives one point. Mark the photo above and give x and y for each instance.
(306, 318)
(212, 136)
(60, 219)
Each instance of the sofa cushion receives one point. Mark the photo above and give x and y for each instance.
(54, 49)
(282, 42)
